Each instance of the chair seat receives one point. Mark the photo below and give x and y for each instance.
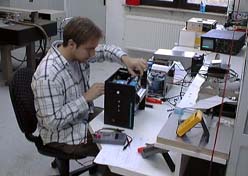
(53, 152)
(23, 104)
(69, 151)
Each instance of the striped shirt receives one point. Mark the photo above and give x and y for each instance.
(58, 86)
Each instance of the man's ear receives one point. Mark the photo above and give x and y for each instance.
(72, 44)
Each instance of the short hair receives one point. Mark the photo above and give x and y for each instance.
(81, 30)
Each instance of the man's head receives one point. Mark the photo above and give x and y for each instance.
(80, 38)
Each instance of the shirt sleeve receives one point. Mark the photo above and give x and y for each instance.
(53, 114)
(108, 53)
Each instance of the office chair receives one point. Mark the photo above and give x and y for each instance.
(23, 103)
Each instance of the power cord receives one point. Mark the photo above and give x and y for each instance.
(37, 26)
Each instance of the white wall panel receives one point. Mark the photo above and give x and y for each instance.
(149, 34)
(38, 4)
(4, 3)
(115, 22)
(93, 9)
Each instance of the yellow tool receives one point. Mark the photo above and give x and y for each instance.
(189, 123)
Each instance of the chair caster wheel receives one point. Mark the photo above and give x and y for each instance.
(54, 164)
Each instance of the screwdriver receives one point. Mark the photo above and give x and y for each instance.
(153, 100)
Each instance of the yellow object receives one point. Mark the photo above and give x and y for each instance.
(189, 123)
(198, 38)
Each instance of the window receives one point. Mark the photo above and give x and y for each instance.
(219, 6)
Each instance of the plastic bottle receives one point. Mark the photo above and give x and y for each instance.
(203, 6)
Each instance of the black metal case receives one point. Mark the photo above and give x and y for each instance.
(122, 100)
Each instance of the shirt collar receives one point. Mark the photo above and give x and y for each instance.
(61, 60)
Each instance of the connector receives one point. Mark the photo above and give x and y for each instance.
(218, 70)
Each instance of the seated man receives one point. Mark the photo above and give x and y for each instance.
(62, 94)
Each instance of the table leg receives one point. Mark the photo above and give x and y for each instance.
(169, 161)
(184, 164)
(6, 63)
(30, 50)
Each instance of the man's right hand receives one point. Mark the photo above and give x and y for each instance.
(96, 90)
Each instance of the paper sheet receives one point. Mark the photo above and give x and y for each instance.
(130, 162)
(190, 97)
(115, 156)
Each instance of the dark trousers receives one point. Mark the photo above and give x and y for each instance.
(81, 150)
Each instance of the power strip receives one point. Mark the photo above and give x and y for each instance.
(110, 138)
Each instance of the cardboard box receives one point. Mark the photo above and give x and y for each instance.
(200, 25)
(189, 38)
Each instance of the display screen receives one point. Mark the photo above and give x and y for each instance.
(207, 44)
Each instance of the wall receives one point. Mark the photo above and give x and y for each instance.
(93, 9)
(38, 4)
(243, 6)
(116, 12)
(114, 22)
(4, 3)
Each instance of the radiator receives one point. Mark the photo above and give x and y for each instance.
(149, 34)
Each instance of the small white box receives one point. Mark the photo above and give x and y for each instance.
(53, 15)
(189, 38)
(200, 25)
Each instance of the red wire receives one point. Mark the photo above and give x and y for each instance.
(222, 103)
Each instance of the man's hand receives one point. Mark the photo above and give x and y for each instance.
(96, 90)
(136, 66)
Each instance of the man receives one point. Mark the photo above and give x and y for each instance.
(62, 94)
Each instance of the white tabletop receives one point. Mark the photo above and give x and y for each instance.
(147, 125)
(129, 162)
(167, 137)
(191, 143)
(236, 61)
(191, 95)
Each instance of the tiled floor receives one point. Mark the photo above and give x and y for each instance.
(20, 157)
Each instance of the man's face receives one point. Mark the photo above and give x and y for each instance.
(83, 52)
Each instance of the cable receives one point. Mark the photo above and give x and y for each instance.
(31, 24)
(129, 139)
(222, 104)
(37, 26)
(39, 48)
(181, 90)
(13, 57)
(19, 66)
(22, 61)
(234, 72)
(166, 99)
(175, 101)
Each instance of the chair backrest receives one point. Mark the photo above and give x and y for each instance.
(23, 100)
